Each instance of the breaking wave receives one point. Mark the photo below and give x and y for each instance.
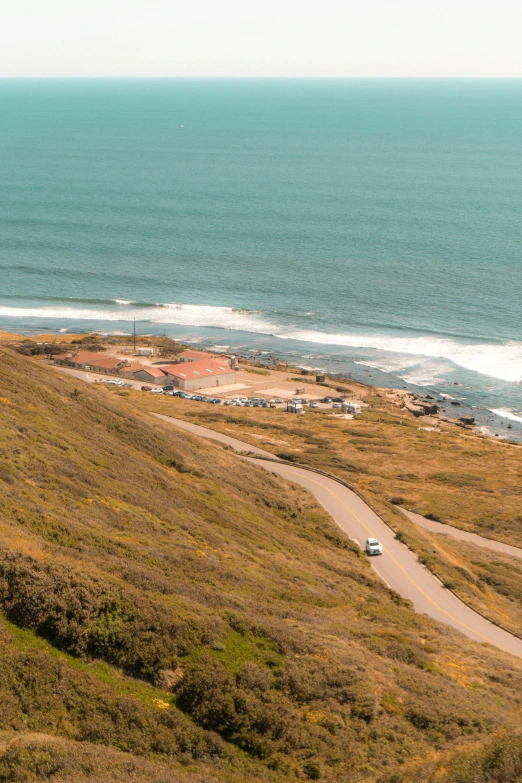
(168, 313)
(507, 413)
(497, 360)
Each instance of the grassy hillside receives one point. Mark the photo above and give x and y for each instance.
(451, 476)
(163, 599)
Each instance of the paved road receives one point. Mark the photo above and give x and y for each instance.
(397, 567)
(463, 535)
(204, 432)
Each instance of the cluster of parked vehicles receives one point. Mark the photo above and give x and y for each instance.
(114, 382)
(170, 391)
(254, 402)
(335, 402)
(240, 402)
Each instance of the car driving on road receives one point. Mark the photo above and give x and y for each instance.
(373, 547)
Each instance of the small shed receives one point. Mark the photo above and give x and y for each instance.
(144, 351)
(83, 359)
(104, 364)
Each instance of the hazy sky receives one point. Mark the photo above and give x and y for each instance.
(264, 38)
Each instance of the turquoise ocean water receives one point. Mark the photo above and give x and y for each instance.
(363, 226)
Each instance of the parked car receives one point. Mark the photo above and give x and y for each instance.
(326, 400)
(146, 388)
(338, 399)
(336, 405)
(168, 388)
(280, 401)
(314, 404)
(228, 402)
(156, 391)
(373, 547)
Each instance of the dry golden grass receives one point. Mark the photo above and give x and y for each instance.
(141, 567)
(465, 480)
(451, 475)
(31, 756)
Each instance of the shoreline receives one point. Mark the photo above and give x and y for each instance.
(426, 407)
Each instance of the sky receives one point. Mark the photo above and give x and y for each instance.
(244, 38)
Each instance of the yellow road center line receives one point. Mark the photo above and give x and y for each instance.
(419, 588)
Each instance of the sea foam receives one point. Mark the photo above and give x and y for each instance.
(497, 360)
(169, 313)
(507, 413)
(423, 372)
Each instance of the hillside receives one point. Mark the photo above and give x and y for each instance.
(199, 618)
(447, 474)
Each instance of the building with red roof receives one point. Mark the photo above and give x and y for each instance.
(129, 369)
(201, 374)
(61, 358)
(193, 356)
(151, 374)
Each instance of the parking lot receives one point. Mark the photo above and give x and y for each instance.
(264, 398)
(248, 402)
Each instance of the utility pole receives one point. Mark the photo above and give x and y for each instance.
(134, 335)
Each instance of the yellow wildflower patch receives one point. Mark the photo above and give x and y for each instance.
(163, 705)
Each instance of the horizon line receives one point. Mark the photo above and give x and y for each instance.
(260, 77)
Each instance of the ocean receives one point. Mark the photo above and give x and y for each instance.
(369, 227)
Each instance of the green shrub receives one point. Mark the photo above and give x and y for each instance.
(90, 618)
